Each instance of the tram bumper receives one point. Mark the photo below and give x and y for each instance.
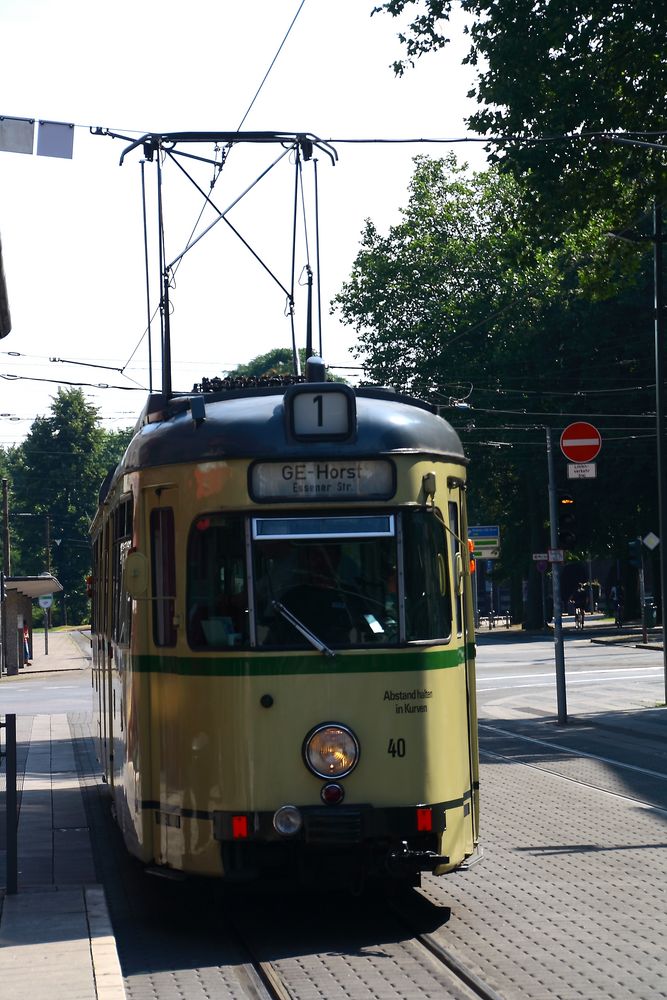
(390, 841)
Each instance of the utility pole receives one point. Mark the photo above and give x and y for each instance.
(6, 571)
(6, 545)
(47, 611)
(47, 541)
(660, 416)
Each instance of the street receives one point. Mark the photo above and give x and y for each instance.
(516, 675)
(48, 694)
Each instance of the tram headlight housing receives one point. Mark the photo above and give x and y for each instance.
(331, 750)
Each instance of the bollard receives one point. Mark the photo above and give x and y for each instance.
(11, 803)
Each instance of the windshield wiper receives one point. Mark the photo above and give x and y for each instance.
(303, 629)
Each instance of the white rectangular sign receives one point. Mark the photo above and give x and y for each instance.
(584, 470)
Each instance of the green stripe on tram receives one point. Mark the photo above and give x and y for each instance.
(283, 665)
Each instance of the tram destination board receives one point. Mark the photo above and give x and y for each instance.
(366, 479)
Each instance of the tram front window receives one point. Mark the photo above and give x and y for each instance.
(337, 576)
(428, 609)
(217, 588)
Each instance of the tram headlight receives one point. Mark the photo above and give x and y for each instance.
(331, 751)
(287, 821)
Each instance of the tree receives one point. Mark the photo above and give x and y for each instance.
(458, 304)
(562, 68)
(279, 361)
(274, 363)
(56, 473)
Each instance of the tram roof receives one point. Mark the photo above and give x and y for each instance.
(251, 424)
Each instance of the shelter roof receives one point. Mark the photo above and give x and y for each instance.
(33, 586)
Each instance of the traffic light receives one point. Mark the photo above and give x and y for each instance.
(566, 521)
(635, 552)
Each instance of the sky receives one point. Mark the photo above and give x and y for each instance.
(72, 229)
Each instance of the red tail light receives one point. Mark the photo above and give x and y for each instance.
(424, 820)
(239, 827)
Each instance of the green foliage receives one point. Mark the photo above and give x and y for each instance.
(462, 302)
(279, 361)
(562, 68)
(55, 475)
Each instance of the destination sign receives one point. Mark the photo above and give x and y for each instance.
(368, 479)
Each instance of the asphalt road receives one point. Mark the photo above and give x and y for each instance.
(516, 675)
(48, 694)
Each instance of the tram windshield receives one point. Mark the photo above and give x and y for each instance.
(318, 582)
(339, 577)
(336, 575)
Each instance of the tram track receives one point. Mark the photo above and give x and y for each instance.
(440, 973)
(555, 765)
(463, 975)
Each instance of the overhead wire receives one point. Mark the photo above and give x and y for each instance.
(217, 170)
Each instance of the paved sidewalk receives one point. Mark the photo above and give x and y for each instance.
(66, 651)
(56, 939)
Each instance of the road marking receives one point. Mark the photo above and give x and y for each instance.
(575, 753)
(629, 671)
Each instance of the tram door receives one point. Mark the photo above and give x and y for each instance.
(102, 651)
(160, 709)
(465, 628)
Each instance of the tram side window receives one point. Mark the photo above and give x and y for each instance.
(95, 573)
(164, 576)
(428, 612)
(104, 588)
(456, 548)
(217, 593)
(122, 541)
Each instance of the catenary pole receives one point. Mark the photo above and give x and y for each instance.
(660, 415)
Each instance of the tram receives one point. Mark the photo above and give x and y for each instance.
(283, 651)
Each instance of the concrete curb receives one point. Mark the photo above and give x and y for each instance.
(106, 966)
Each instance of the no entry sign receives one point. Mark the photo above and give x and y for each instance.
(580, 442)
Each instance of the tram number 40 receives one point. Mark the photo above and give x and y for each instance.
(396, 748)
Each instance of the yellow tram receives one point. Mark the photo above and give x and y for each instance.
(284, 677)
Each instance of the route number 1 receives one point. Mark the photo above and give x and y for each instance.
(321, 414)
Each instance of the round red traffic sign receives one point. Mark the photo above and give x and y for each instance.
(580, 442)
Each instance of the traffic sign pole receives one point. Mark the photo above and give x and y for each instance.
(559, 650)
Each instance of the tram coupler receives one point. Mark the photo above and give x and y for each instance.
(422, 861)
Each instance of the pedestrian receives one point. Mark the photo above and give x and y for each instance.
(26, 644)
